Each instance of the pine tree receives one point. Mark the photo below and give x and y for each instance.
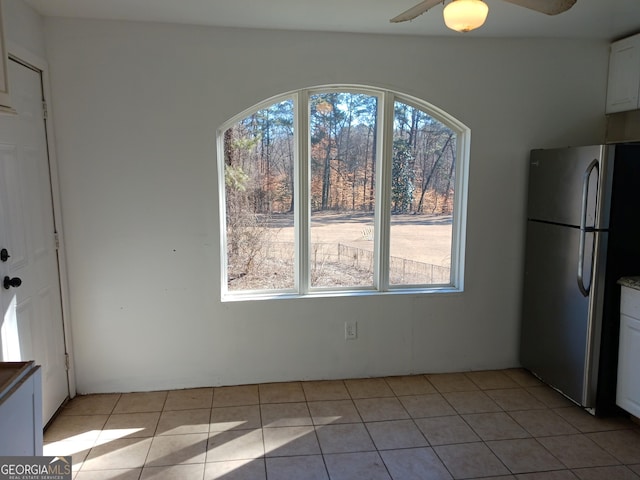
(402, 177)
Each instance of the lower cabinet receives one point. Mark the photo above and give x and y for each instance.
(628, 389)
(20, 409)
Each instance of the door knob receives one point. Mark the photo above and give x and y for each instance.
(4, 255)
(9, 282)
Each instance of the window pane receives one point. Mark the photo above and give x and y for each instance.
(259, 191)
(343, 152)
(422, 198)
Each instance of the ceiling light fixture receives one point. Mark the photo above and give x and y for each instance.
(465, 15)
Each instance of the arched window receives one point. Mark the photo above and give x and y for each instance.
(342, 189)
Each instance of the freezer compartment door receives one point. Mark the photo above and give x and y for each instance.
(556, 329)
(560, 178)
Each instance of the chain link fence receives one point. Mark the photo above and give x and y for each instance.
(401, 270)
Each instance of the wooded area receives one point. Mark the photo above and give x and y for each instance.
(259, 155)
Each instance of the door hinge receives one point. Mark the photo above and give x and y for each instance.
(56, 239)
(67, 361)
(45, 111)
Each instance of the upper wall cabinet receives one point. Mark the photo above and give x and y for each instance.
(624, 75)
(5, 99)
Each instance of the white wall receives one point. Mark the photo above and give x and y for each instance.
(136, 108)
(23, 28)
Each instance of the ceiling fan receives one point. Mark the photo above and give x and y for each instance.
(466, 15)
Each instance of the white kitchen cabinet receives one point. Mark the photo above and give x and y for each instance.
(5, 98)
(20, 409)
(623, 88)
(628, 389)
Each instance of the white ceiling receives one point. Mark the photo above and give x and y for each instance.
(603, 19)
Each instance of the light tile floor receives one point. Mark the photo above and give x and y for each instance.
(492, 424)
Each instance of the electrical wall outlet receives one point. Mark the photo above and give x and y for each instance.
(350, 330)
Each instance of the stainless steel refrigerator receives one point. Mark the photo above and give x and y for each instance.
(583, 214)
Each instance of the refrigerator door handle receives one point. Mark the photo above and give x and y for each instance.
(583, 227)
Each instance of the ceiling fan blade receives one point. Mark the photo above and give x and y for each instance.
(415, 11)
(550, 7)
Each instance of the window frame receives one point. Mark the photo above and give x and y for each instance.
(382, 211)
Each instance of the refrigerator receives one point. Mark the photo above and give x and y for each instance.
(583, 234)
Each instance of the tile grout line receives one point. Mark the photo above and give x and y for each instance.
(583, 432)
(264, 445)
(315, 432)
(460, 415)
(413, 420)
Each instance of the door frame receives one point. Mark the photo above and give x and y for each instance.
(36, 62)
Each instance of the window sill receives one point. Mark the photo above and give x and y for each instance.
(250, 296)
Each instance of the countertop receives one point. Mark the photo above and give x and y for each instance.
(631, 282)
(11, 373)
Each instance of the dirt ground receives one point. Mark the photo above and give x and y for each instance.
(422, 238)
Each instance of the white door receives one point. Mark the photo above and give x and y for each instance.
(32, 326)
